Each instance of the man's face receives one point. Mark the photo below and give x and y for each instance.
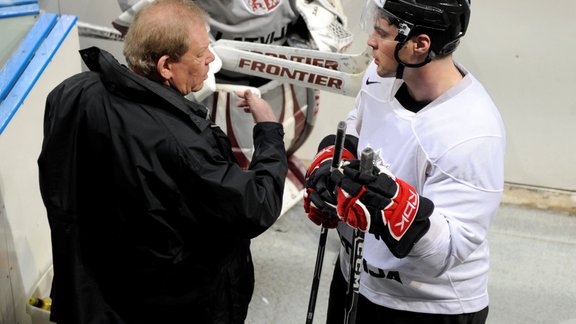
(189, 73)
(383, 45)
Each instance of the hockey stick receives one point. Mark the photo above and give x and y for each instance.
(100, 32)
(338, 146)
(348, 63)
(275, 68)
(366, 162)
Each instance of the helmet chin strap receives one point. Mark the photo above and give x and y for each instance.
(402, 65)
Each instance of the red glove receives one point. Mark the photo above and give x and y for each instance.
(320, 193)
(385, 206)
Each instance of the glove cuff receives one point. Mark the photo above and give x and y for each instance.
(419, 227)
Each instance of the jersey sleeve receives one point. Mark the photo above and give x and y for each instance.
(466, 186)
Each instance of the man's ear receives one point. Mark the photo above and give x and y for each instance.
(163, 67)
(421, 44)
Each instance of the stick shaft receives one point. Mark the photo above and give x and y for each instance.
(96, 31)
(352, 293)
(338, 147)
(317, 273)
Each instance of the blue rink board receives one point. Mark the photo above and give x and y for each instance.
(19, 10)
(7, 3)
(28, 62)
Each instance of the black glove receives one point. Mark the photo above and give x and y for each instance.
(383, 205)
(320, 194)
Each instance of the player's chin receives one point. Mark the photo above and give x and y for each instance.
(382, 71)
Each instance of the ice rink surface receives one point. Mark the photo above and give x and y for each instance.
(532, 269)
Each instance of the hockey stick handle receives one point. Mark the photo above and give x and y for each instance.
(366, 161)
(338, 147)
(353, 291)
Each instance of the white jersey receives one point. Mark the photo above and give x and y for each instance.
(260, 21)
(452, 152)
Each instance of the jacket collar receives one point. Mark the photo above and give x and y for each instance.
(120, 80)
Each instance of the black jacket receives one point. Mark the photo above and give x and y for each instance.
(150, 215)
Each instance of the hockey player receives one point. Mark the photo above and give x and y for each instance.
(428, 204)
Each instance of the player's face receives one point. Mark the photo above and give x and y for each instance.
(189, 73)
(383, 45)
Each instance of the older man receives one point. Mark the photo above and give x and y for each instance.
(151, 216)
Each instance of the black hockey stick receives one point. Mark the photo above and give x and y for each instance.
(366, 162)
(338, 146)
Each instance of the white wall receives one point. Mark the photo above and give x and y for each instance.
(523, 53)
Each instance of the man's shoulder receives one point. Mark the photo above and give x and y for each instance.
(82, 80)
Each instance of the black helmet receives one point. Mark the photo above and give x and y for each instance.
(445, 21)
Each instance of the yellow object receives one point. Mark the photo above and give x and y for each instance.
(44, 303)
